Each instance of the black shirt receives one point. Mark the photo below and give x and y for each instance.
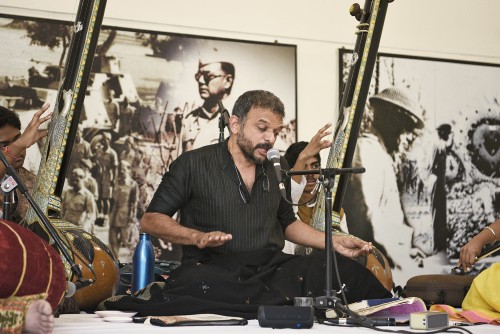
(204, 186)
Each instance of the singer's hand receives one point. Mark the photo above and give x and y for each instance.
(350, 246)
(212, 239)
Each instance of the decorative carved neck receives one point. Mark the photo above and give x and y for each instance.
(351, 108)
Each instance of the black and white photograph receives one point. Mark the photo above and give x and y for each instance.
(247, 166)
(429, 143)
(151, 96)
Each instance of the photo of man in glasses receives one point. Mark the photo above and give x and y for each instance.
(201, 126)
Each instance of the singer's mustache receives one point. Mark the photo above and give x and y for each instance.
(266, 146)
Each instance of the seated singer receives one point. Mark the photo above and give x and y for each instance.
(233, 225)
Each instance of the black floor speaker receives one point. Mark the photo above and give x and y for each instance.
(286, 316)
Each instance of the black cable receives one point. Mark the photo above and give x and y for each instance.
(366, 322)
(313, 197)
(449, 329)
(321, 181)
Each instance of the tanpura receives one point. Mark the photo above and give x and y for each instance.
(99, 270)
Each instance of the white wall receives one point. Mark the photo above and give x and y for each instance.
(452, 29)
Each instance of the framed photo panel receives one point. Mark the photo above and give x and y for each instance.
(432, 180)
(152, 95)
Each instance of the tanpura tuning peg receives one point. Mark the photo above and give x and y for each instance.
(356, 11)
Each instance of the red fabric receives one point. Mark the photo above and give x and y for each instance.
(29, 265)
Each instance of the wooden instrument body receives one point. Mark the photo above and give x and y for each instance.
(96, 262)
(89, 253)
(377, 263)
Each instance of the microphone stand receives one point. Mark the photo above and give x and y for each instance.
(329, 300)
(223, 121)
(14, 181)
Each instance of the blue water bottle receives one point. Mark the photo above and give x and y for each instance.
(143, 263)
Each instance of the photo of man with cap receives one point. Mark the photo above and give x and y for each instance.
(201, 126)
(372, 201)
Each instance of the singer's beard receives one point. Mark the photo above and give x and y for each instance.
(246, 146)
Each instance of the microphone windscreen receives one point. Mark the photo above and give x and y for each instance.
(273, 153)
(71, 289)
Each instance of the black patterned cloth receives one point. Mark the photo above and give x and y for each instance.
(237, 284)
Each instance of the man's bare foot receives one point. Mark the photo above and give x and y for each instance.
(39, 318)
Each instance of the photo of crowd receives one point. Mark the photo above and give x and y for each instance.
(151, 96)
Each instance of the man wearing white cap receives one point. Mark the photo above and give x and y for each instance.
(372, 200)
(215, 81)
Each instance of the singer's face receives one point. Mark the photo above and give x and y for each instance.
(258, 133)
(8, 135)
(311, 164)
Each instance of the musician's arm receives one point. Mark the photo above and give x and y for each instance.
(472, 249)
(300, 233)
(169, 230)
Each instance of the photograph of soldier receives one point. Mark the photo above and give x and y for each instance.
(201, 126)
(149, 93)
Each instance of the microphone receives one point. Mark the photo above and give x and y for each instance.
(9, 199)
(273, 155)
(223, 121)
(72, 287)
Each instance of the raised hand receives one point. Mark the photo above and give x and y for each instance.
(316, 144)
(33, 133)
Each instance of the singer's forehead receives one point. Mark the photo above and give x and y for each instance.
(267, 117)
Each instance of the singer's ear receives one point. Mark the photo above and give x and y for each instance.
(234, 124)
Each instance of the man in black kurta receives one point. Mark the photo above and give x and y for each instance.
(233, 224)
